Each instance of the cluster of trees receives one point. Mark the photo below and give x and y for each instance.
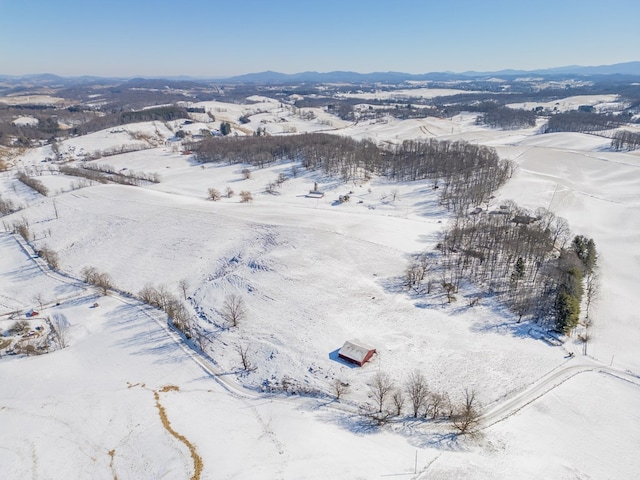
(106, 174)
(32, 183)
(521, 258)
(7, 206)
(164, 114)
(465, 174)
(50, 256)
(331, 153)
(160, 297)
(20, 227)
(625, 140)
(233, 311)
(414, 398)
(508, 118)
(24, 135)
(102, 280)
(581, 121)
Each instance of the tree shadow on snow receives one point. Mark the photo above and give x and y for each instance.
(144, 336)
(419, 433)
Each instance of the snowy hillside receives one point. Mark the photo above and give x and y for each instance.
(129, 397)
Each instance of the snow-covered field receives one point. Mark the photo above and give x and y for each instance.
(314, 273)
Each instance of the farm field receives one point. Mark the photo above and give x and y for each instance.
(130, 397)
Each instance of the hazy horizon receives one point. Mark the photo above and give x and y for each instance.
(216, 39)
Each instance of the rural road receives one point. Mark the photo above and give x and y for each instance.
(515, 402)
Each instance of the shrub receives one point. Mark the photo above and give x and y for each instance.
(214, 194)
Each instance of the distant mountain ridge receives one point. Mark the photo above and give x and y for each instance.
(627, 68)
(622, 69)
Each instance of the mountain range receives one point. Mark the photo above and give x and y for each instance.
(627, 69)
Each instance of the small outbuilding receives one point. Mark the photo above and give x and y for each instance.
(356, 352)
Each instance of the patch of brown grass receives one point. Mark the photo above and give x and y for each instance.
(169, 388)
(197, 460)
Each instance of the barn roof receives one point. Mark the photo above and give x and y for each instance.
(355, 350)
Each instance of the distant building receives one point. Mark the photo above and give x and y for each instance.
(356, 352)
(524, 219)
(314, 194)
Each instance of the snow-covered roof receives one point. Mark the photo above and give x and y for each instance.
(355, 350)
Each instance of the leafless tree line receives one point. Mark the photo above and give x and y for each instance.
(625, 140)
(580, 121)
(508, 118)
(7, 206)
(101, 280)
(20, 227)
(465, 174)
(32, 183)
(415, 397)
(160, 297)
(49, 256)
(106, 174)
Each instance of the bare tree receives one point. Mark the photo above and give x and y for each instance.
(179, 315)
(245, 196)
(339, 388)
(39, 298)
(184, 287)
(88, 274)
(22, 228)
(246, 173)
(435, 403)
(465, 417)
(271, 188)
(591, 291)
(229, 192)
(449, 288)
(398, 401)
(147, 294)
(243, 351)
(214, 194)
(49, 256)
(417, 391)
(234, 310)
(561, 232)
(380, 388)
(103, 282)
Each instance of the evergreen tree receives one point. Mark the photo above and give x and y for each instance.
(585, 250)
(518, 271)
(225, 128)
(567, 312)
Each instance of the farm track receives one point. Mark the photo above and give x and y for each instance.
(84, 290)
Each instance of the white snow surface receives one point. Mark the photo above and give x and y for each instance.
(313, 273)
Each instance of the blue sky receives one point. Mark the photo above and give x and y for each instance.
(227, 37)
